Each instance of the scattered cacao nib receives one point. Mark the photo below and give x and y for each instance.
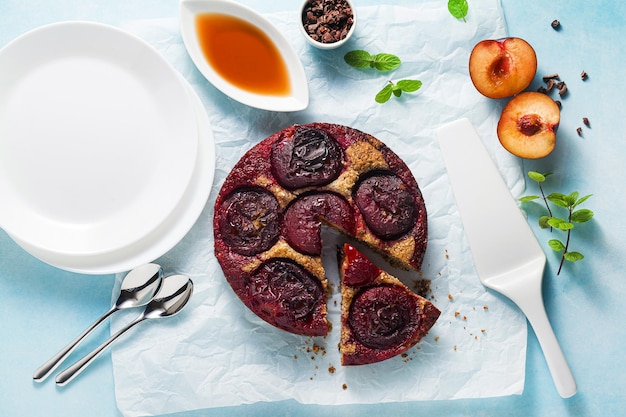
(583, 75)
(579, 130)
(327, 21)
(558, 103)
(562, 90)
(554, 76)
(586, 122)
(555, 24)
(543, 90)
(550, 84)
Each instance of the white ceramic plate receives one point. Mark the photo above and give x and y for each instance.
(165, 237)
(98, 138)
(299, 97)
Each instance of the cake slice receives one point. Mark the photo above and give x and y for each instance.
(380, 316)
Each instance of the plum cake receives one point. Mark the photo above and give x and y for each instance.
(270, 208)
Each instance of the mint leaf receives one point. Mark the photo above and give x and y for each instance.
(543, 222)
(458, 8)
(556, 245)
(558, 199)
(582, 215)
(582, 200)
(528, 198)
(385, 62)
(536, 176)
(362, 59)
(409, 86)
(385, 94)
(573, 256)
(358, 59)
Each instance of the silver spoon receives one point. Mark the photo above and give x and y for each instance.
(171, 298)
(138, 288)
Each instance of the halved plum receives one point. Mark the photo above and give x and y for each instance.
(284, 294)
(303, 219)
(387, 205)
(249, 221)
(308, 158)
(384, 317)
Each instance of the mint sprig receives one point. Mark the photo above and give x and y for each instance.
(570, 203)
(363, 59)
(402, 86)
(458, 8)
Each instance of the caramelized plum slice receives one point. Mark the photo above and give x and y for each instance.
(303, 218)
(283, 292)
(387, 205)
(310, 157)
(249, 221)
(383, 317)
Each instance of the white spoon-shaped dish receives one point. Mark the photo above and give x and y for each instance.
(297, 99)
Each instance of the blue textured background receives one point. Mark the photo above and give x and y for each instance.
(41, 306)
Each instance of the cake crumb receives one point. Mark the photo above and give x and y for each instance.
(485, 308)
(331, 369)
(436, 338)
(450, 297)
(457, 314)
(344, 387)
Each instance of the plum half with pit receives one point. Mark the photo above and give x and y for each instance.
(303, 219)
(310, 157)
(387, 204)
(249, 221)
(528, 124)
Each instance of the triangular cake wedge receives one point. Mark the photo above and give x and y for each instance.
(380, 316)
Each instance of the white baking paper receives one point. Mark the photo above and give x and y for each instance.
(217, 353)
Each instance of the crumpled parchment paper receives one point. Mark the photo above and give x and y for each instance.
(217, 353)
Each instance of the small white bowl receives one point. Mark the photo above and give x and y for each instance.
(298, 99)
(330, 45)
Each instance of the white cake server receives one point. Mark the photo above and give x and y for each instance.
(506, 253)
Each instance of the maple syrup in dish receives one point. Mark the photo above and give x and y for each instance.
(242, 54)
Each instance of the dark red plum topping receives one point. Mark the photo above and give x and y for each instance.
(284, 291)
(383, 317)
(310, 157)
(303, 219)
(249, 221)
(387, 205)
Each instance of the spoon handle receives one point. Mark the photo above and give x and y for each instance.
(73, 371)
(46, 369)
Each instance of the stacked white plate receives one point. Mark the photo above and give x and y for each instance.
(106, 153)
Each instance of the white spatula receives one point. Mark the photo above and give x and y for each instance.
(506, 253)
